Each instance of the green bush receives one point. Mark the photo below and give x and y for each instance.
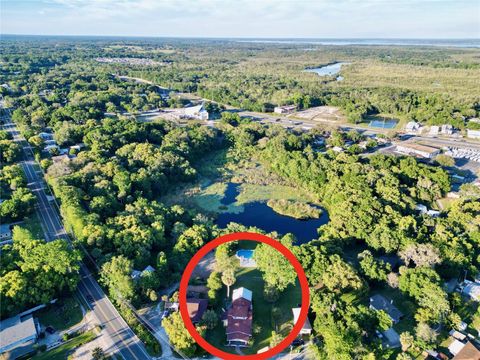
(295, 209)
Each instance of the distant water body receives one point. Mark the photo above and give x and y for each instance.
(462, 43)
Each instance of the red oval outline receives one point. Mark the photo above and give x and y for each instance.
(253, 237)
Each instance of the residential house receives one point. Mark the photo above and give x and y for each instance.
(46, 136)
(60, 159)
(447, 129)
(422, 208)
(18, 334)
(457, 335)
(196, 308)
(417, 149)
(412, 126)
(239, 318)
(471, 289)
(50, 142)
(392, 339)
(195, 112)
(306, 328)
(473, 134)
(136, 274)
(468, 352)
(5, 232)
(378, 302)
(425, 211)
(434, 129)
(455, 347)
(172, 306)
(49, 148)
(77, 147)
(285, 109)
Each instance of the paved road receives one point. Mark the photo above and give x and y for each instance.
(285, 121)
(123, 343)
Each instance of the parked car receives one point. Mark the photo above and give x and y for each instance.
(298, 342)
(89, 298)
(50, 329)
(165, 313)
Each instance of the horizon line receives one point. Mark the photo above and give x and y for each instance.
(246, 37)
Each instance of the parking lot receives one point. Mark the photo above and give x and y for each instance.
(465, 158)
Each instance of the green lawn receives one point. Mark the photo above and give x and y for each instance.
(210, 197)
(32, 223)
(62, 352)
(262, 312)
(61, 315)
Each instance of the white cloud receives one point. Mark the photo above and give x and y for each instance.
(248, 18)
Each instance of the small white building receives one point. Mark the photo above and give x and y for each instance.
(285, 109)
(447, 129)
(434, 129)
(422, 208)
(195, 112)
(412, 126)
(455, 347)
(49, 148)
(471, 289)
(473, 134)
(242, 293)
(306, 328)
(46, 136)
(18, 334)
(433, 213)
(77, 147)
(417, 149)
(425, 211)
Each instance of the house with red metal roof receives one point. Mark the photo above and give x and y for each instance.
(239, 318)
(196, 308)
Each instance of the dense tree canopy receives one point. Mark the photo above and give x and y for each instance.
(35, 272)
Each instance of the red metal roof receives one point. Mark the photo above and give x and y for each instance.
(196, 308)
(239, 329)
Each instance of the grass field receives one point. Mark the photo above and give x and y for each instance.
(32, 223)
(251, 279)
(62, 352)
(61, 315)
(457, 82)
(253, 192)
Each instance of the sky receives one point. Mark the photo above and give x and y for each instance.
(434, 19)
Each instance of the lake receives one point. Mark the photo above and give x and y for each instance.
(328, 70)
(258, 214)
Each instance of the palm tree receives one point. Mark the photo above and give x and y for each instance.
(228, 279)
(98, 354)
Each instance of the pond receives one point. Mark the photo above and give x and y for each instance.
(328, 70)
(258, 214)
(383, 124)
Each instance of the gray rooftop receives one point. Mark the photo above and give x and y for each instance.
(15, 329)
(5, 228)
(378, 302)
